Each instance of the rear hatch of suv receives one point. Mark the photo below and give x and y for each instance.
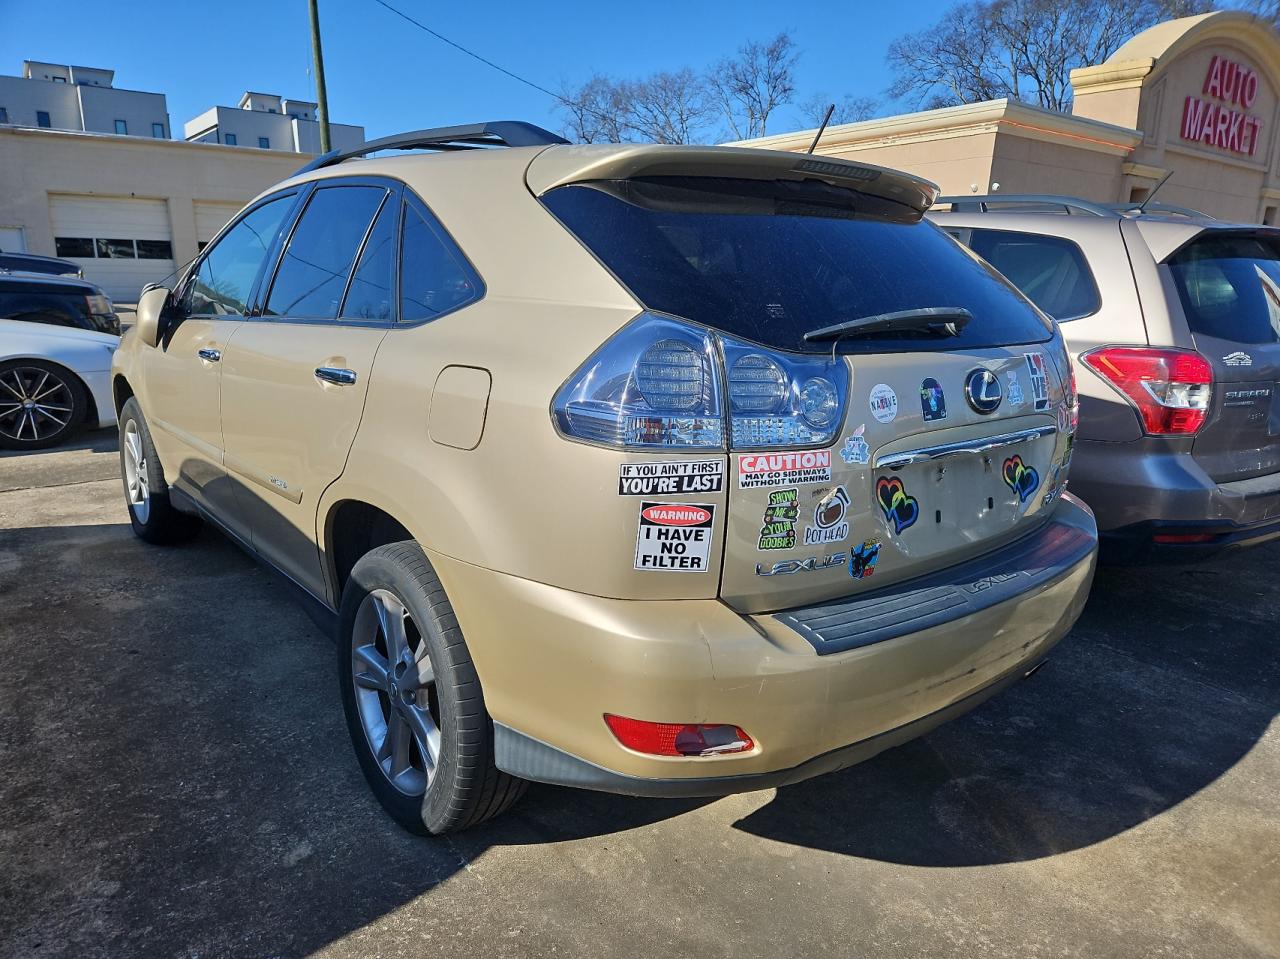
(1228, 282)
(857, 457)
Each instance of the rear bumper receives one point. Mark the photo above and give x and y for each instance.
(552, 663)
(1139, 493)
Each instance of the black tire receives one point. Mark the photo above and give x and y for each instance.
(41, 405)
(467, 787)
(159, 522)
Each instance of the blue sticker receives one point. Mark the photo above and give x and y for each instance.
(856, 449)
(862, 561)
(932, 403)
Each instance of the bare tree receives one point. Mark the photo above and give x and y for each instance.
(1022, 49)
(848, 109)
(669, 107)
(750, 86)
(596, 111)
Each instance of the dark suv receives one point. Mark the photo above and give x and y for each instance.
(32, 263)
(57, 301)
(1173, 322)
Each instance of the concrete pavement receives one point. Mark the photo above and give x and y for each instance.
(177, 781)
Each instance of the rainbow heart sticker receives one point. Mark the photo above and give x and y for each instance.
(896, 504)
(1022, 479)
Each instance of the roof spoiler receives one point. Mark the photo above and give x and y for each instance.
(585, 163)
(471, 136)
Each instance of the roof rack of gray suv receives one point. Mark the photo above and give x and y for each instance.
(1050, 203)
(470, 136)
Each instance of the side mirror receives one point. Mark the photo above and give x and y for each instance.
(150, 309)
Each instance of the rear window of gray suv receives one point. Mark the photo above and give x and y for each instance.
(770, 260)
(1230, 286)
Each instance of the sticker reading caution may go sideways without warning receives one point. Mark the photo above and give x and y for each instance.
(759, 470)
(674, 537)
(665, 479)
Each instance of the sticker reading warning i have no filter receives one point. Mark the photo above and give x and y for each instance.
(674, 537)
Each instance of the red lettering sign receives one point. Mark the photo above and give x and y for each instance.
(1219, 125)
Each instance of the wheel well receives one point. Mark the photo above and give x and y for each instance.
(121, 390)
(354, 529)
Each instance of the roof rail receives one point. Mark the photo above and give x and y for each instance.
(1156, 207)
(470, 136)
(1067, 204)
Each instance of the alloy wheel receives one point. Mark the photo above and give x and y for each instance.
(35, 404)
(395, 692)
(137, 486)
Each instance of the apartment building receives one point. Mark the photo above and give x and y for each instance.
(267, 121)
(56, 96)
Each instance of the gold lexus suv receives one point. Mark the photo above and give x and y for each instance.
(669, 471)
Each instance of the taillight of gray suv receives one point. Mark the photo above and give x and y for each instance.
(1173, 321)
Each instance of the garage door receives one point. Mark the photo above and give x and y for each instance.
(121, 243)
(211, 216)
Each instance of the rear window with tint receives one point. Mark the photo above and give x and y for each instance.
(769, 261)
(1051, 271)
(1230, 287)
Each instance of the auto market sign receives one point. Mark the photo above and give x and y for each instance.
(1219, 117)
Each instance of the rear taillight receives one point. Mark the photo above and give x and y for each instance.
(1171, 389)
(678, 739)
(664, 383)
(98, 304)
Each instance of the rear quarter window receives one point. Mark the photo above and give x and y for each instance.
(768, 261)
(1229, 286)
(1050, 271)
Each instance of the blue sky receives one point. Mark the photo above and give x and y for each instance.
(389, 76)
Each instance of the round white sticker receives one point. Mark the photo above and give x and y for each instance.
(884, 403)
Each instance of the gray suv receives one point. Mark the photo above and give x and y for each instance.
(1173, 322)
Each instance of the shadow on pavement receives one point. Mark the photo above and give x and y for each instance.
(178, 777)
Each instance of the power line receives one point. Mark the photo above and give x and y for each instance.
(471, 53)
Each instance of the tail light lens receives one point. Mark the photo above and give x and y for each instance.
(1171, 389)
(678, 739)
(98, 304)
(663, 383)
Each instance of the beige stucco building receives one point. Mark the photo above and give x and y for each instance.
(1199, 96)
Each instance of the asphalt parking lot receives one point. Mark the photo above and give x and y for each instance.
(177, 781)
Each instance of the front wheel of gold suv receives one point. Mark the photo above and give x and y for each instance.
(153, 517)
(414, 707)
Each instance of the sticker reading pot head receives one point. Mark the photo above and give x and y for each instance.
(884, 403)
(674, 537)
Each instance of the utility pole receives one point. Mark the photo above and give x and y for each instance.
(322, 97)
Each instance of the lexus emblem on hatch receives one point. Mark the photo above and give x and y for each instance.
(982, 390)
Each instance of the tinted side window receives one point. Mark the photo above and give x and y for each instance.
(226, 274)
(314, 269)
(53, 309)
(434, 278)
(372, 290)
(1230, 287)
(1051, 271)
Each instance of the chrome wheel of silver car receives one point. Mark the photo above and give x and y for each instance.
(136, 484)
(35, 404)
(395, 692)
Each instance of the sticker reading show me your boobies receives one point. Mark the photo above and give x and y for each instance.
(759, 470)
(674, 537)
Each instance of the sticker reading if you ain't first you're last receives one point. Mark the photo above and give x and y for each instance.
(669, 478)
(674, 537)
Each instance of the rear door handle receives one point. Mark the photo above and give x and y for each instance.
(210, 354)
(334, 374)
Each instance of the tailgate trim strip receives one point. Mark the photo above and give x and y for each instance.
(982, 445)
(1023, 566)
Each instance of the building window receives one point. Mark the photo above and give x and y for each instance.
(73, 246)
(229, 139)
(264, 143)
(122, 127)
(157, 130)
(59, 79)
(42, 119)
(4, 114)
(155, 250)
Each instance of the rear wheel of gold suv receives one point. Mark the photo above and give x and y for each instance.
(413, 701)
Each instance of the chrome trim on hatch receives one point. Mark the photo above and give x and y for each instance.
(982, 445)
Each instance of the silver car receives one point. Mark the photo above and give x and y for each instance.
(1173, 322)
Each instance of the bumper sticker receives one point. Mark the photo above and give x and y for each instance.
(1039, 381)
(674, 537)
(1015, 389)
(884, 403)
(855, 448)
(932, 403)
(896, 504)
(778, 528)
(667, 479)
(862, 559)
(829, 524)
(1022, 479)
(760, 470)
